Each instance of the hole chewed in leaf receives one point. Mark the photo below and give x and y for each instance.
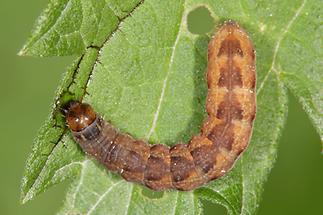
(200, 21)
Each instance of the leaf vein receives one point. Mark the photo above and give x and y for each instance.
(67, 6)
(129, 200)
(277, 46)
(162, 94)
(79, 184)
(102, 197)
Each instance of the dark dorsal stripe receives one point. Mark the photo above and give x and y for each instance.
(230, 47)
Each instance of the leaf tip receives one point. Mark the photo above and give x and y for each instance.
(22, 51)
(24, 197)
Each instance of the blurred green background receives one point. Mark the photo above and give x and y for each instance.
(27, 89)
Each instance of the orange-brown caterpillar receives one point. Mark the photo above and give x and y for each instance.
(225, 133)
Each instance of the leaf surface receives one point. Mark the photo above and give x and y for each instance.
(146, 74)
(68, 27)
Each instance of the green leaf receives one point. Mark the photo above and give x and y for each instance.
(67, 27)
(300, 69)
(108, 193)
(145, 73)
(52, 143)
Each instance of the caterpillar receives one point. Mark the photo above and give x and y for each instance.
(224, 135)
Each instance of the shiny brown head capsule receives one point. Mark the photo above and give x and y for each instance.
(79, 116)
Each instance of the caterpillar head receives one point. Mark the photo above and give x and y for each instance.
(78, 115)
